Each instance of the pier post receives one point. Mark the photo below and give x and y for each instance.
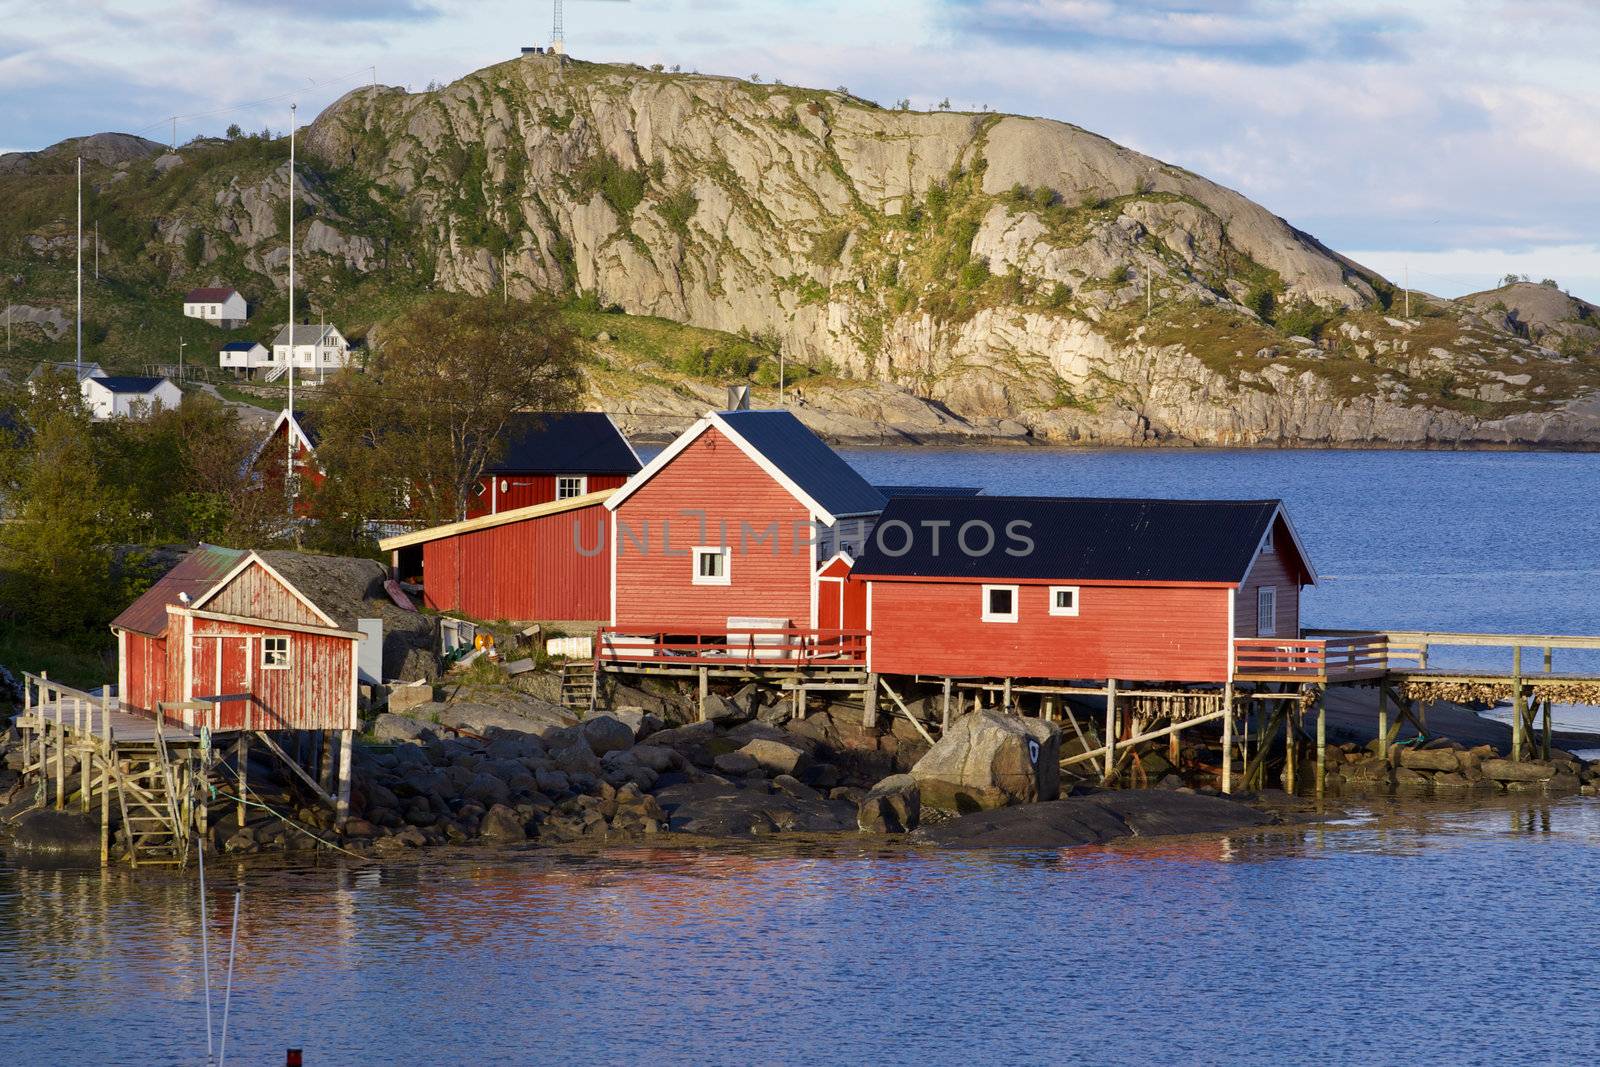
(341, 810)
(1383, 722)
(61, 757)
(1005, 697)
(107, 764)
(705, 691)
(242, 751)
(1227, 738)
(946, 727)
(1322, 742)
(1289, 750)
(1111, 731)
(83, 730)
(869, 703)
(1518, 705)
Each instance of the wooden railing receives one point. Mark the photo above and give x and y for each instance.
(790, 646)
(1311, 659)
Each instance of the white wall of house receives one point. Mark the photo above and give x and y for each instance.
(247, 359)
(232, 309)
(105, 404)
(332, 354)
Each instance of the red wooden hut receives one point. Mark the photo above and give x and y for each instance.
(229, 623)
(725, 529)
(1064, 588)
(548, 562)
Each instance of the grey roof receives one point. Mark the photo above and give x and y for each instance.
(1069, 538)
(129, 383)
(817, 469)
(304, 334)
(928, 490)
(88, 370)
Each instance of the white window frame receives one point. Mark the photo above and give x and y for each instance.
(1013, 615)
(722, 551)
(267, 649)
(581, 479)
(1267, 611)
(1077, 600)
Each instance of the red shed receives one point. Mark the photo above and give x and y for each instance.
(726, 527)
(225, 622)
(1061, 588)
(549, 562)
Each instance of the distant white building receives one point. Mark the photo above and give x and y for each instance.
(123, 396)
(313, 348)
(220, 307)
(244, 358)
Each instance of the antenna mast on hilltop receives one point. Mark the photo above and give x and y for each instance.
(558, 37)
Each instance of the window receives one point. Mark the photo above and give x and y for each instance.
(999, 603)
(1063, 600)
(274, 653)
(567, 488)
(711, 566)
(1267, 611)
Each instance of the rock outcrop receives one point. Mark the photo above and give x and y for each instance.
(989, 760)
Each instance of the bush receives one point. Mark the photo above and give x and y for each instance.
(621, 187)
(677, 208)
(828, 248)
(1261, 299)
(974, 274)
(1303, 319)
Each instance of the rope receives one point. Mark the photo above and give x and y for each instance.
(215, 792)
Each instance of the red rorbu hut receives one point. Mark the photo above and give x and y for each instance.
(1066, 588)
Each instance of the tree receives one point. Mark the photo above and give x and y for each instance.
(417, 430)
(234, 132)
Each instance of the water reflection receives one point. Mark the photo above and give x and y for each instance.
(1253, 947)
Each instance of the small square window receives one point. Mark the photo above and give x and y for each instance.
(1063, 600)
(567, 488)
(275, 653)
(999, 603)
(711, 566)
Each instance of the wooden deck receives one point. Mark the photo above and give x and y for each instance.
(103, 720)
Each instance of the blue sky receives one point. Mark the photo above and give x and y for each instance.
(1459, 137)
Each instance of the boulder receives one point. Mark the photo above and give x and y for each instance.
(725, 712)
(576, 757)
(723, 809)
(1093, 819)
(486, 789)
(47, 832)
(775, 757)
(1430, 759)
(500, 823)
(656, 757)
(643, 723)
(606, 733)
(736, 763)
(1503, 770)
(893, 806)
(403, 698)
(989, 760)
(552, 782)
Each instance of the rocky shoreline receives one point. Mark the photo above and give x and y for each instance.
(505, 765)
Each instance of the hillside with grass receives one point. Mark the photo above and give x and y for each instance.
(933, 275)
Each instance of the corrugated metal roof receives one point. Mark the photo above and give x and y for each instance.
(564, 442)
(892, 491)
(818, 470)
(304, 334)
(196, 574)
(1072, 539)
(129, 383)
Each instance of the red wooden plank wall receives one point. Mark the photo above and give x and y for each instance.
(1137, 633)
(526, 490)
(255, 594)
(1271, 568)
(314, 693)
(530, 570)
(655, 591)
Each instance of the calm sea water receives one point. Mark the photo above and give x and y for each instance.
(1430, 934)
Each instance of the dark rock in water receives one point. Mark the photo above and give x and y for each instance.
(47, 832)
(502, 824)
(893, 806)
(1089, 820)
(718, 809)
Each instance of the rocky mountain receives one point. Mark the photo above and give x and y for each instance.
(942, 274)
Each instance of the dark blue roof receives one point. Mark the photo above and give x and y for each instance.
(129, 383)
(564, 442)
(892, 491)
(240, 346)
(1072, 538)
(817, 469)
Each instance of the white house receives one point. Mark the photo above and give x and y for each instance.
(86, 370)
(122, 396)
(244, 358)
(220, 307)
(315, 349)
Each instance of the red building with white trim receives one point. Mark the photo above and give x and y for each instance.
(1066, 588)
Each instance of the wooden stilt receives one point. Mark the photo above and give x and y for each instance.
(1005, 697)
(325, 761)
(1289, 751)
(105, 780)
(347, 744)
(869, 703)
(242, 751)
(61, 756)
(1227, 738)
(1322, 742)
(1517, 705)
(945, 727)
(84, 732)
(1383, 722)
(1111, 731)
(705, 691)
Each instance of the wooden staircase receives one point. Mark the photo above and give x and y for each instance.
(149, 789)
(580, 681)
